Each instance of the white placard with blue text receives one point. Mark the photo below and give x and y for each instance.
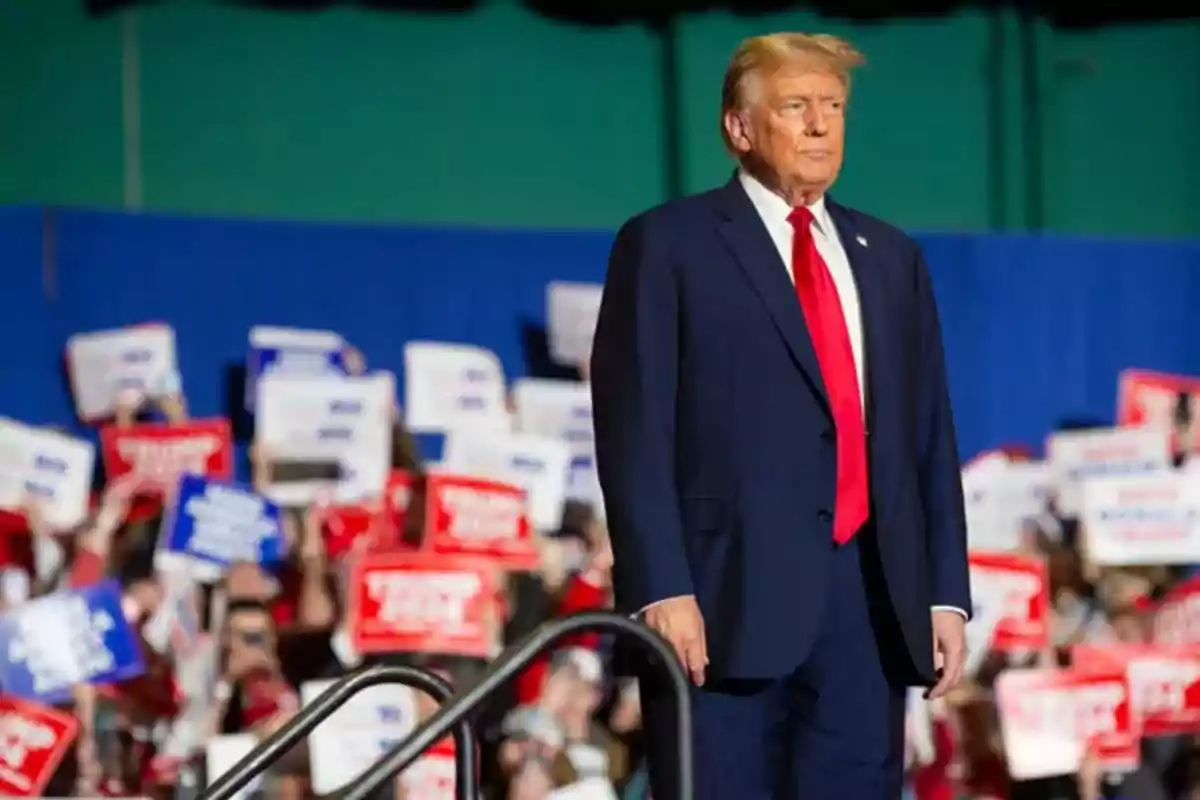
(347, 421)
(450, 386)
(357, 735)
(55, 642)
(562, 410)
(538, 464)
(214, 524)
(1076, 456)
(292, 351)
(103, 364)
(46, 468)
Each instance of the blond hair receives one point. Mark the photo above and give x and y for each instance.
(764, 54)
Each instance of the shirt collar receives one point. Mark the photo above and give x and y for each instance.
(775, 209)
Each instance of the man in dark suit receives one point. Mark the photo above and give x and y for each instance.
(777, 453)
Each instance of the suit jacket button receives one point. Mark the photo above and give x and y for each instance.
(824, 515)
(829, 435)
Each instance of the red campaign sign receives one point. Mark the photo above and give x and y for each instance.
(1019, 585)
(159, 453)
(345, 525)
(1051, 717)
(475, 516)
(1145, 397)
(424, 602)
(432, 776)
(1164, 682)
(33, 740)
(1177, 617)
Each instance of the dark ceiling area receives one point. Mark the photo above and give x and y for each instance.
(1066, 13)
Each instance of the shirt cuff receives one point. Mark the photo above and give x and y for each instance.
(955, 609)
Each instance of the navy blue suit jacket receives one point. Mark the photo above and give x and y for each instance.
(715, 443)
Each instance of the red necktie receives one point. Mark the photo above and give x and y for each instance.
(827, 328)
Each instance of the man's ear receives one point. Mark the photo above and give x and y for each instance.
(737, 130)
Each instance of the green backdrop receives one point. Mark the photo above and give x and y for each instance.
(501, 117)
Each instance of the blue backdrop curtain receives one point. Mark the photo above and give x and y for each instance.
(1036, 328)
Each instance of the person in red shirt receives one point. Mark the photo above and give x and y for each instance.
(587, 590)
(940, 778)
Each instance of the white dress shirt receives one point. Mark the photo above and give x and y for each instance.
(774, 211)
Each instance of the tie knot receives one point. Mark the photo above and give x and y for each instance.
(801, 218)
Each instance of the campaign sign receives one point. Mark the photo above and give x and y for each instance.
(562, 410)
(1164, 682)
(571, 313)
(432, 776)
(214, 524)
(358, 734)
(1016, 587)
(424, 602)
(448, 386)
(33, 740)
(47, 468)
(55, 642)
(1076, 457)
(1145, 397)
(159, 453)
(1051, 718)
(1142, 519)
(474, 516)
(104, 364)
(223, 753)
(1177, 618)
(538, 464)
(292, 351)
(346, 525)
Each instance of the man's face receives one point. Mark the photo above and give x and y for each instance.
(794, 125)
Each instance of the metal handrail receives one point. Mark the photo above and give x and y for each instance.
(515, 660)
(277, 745)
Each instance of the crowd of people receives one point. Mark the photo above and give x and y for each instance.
(238, 647)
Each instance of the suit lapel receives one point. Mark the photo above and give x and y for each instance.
(744, 233)
(873, 304)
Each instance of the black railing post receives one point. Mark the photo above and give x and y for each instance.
(513, 661)
(283, 740)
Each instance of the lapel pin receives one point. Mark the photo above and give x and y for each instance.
(861, 240)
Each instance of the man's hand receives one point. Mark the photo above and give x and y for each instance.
(949, 650)
(678, 620)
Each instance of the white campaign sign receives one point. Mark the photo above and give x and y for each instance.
(562, 410)
(223, 752)
(103, 364)
(538, 464)
(357, 735)
(1142, 519)
(291, 351)
(47, 468)
(343, 420)
(1000, 496)
(450, 386)
(1076, 456)
(571, 311)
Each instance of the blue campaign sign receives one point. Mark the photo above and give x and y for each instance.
(215, 523)
(49, 645)
(317, 355)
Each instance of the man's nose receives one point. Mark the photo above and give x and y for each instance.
(816, 124)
